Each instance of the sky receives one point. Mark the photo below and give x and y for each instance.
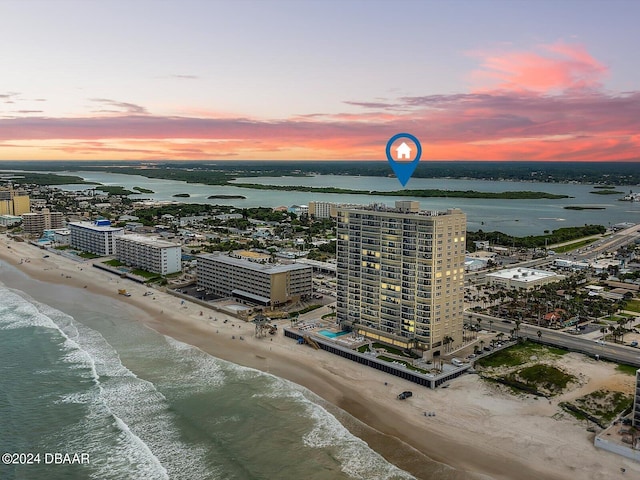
(547, 80)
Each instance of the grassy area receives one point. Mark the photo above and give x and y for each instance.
(113, 263)
(144, 274)
(328, 315)
(602, 404)
(574, 245)
(388, 348)
(406, 364)
(63, 247)
(88, 255)
(628, 369)
(633, 305)
(518, 355)
(544, 377)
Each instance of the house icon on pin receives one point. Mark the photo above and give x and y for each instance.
(403, 152)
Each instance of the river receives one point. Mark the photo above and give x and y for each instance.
(515, 217)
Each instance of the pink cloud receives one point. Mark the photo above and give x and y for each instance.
(552, 68)
(541, 105)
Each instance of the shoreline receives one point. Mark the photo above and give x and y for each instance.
(465, 435)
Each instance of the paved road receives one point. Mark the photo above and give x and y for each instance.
(576, 343)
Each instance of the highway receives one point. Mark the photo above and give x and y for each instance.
(575, 343)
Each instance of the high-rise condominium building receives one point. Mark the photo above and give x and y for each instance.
(401, 275)
(38, 222)
(14, 202)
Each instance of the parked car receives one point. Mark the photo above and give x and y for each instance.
(404, 395)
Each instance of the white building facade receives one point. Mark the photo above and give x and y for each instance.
(525, 278)
(149, 253)
(94, 237)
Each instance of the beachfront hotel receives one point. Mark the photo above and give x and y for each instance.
(401, 275)
(149, 253)
(95, 237)
(259, 283)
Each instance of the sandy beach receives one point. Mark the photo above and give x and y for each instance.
(478, 429)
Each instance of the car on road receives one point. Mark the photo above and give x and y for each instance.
(404, 395)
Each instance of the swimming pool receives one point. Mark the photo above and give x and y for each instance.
(330, 334)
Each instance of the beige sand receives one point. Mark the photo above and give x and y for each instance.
(477, 428)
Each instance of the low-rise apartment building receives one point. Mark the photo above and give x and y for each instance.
(95, 237)
(260, 283)
(149, 253)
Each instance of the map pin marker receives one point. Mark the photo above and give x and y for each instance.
(403, 170)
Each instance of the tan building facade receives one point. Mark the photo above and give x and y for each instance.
(14, 202)
(400, 275)
(264, 284)
(38, 222)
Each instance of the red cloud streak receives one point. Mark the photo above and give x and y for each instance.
(545, 105)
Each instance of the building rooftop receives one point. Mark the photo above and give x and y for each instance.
(269, 268)
(406, 207)
(155, 241)
(523, 274)
(93, 226)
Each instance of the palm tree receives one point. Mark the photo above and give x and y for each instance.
(490, 324)
(447, 341)
(481, 344)
(539, 334)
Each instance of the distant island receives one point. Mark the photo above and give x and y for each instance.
(114, 190)
(226, 171)
(608, 192)
(242, 197)
(579, 207)
(516, 195)
(181, 195)
(143, 190)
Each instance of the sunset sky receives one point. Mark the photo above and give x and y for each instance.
(324, 80)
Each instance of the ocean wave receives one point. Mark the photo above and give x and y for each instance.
(356, 458)
(145, 442)
(198, 371)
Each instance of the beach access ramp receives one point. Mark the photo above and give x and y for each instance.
(310, 341)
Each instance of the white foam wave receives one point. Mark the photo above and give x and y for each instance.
(143, 425)
(357, 459)
(197, 370)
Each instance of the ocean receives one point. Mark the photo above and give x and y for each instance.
(80, 377)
